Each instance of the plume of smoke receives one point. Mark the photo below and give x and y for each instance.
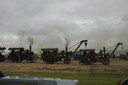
(30, 40)
(66, 42)
(21, 37)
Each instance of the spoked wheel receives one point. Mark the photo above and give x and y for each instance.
(14, 57)
(50, 59)
(30, 59)
(67, 60)
(105, 61)
(86, 61)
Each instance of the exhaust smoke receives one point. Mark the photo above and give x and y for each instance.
(31, 41)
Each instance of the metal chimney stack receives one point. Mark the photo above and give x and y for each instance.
(66, 49)
(30, 48)
(104, 51)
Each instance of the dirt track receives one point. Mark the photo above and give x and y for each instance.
(40, 66)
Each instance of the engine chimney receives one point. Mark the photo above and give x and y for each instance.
(104, 51)
(30, 48)
(66, 49)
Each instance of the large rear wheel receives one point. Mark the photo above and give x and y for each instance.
(50, 59)
(86, 61)
(15, 57)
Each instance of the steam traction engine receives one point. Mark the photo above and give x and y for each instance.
(19, 54)
(51, 55)
(89, 56)
(2, 57)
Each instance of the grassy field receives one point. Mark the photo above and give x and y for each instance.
(96, 74)
(116, 66)
(84, 78)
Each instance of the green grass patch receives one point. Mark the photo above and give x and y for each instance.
(84, 78)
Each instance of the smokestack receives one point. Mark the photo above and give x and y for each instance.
(30, 48)
(66, 44)
(104, 51)
(66, 49)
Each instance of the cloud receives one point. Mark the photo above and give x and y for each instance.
(49, 22)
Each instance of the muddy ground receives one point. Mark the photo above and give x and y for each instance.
(120, 66)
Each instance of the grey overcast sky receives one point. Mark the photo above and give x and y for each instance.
(49, 22)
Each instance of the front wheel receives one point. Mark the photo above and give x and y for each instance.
(30, 59)
(105, 61)
(67, 60)
(87, 61)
